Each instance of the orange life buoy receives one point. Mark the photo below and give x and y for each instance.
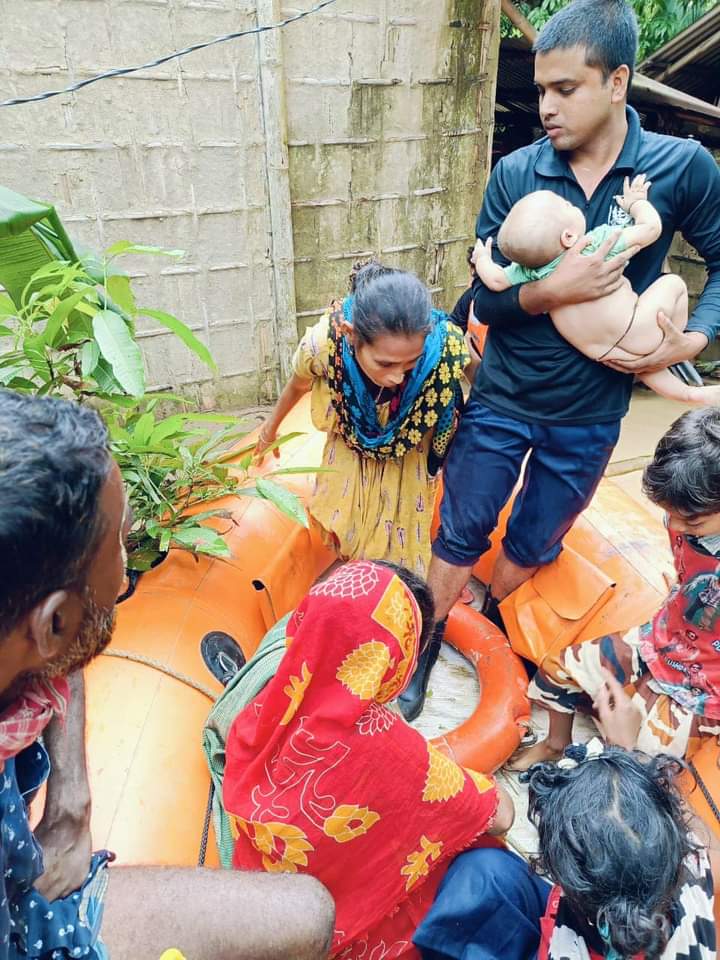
(493, 732)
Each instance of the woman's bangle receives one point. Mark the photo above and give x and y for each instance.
(263, 437)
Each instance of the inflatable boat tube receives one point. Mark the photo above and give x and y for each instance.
(492, 734)
(148, 696)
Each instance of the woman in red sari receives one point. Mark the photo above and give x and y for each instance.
(324, 778)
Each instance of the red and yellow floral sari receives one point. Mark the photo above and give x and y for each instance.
(323, 778)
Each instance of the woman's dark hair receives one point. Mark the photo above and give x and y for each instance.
(685, 470)
(469, 258)
(613, 835)
(54, 459)
(370, 270)
(607, 29)
(389, 301)
(424, 598)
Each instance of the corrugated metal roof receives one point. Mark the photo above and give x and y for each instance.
(691, 60)
(515, 83)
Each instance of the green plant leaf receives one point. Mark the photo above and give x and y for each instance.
(121, 351)
(206, 514)
(204, 449)
(286, 501)
(50, 270)
(126, 246)
(80, 324)
(235, 452)
(6, 331)
(143, 429)
(20, 383)
(118, 286)
(109, 386)
(285, 471)
(176, 424)
(89, 356)
(34, 350)
(60, 314)
(143, 558)
(89, 308)
(182, 331)
(171, 428)
(115, 399)
(12, 358)
(201, 539)
(7, 306)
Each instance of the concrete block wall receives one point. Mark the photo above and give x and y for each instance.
(388, 133)
(389, 111)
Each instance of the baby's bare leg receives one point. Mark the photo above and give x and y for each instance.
(668, 386)
(667, 295)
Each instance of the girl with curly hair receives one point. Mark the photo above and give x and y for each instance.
(618, 875)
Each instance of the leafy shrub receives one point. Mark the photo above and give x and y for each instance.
(73, 335)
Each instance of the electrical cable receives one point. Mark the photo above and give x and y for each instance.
(124, 71)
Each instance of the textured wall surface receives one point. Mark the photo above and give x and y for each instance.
(387, 110)
(172, 156)
(389, 135)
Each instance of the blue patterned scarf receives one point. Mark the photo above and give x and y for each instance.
(429, 399)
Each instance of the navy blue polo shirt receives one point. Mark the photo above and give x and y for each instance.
(529, 371)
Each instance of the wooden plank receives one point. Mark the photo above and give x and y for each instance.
(282, 250)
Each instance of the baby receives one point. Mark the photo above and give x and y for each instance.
(538, 231)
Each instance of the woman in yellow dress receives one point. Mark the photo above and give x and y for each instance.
(385, 372)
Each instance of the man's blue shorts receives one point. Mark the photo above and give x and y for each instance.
(563, 469)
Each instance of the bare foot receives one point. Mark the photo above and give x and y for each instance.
(540, 752)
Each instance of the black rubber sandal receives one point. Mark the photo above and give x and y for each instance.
(222, 655)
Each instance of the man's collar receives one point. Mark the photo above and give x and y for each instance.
(631, 148)
(553, 163)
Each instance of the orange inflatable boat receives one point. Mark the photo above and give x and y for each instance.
(149, 695)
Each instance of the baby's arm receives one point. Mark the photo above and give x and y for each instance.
(648, 226)
(491, 273)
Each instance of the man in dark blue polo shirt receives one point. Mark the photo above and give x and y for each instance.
(534, 393)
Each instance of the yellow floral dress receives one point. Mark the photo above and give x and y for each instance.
(368, 509)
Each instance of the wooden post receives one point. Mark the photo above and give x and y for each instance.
(491, 56)
(274, 117)
(519, 20)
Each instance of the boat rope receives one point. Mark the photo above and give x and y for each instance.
(162, 668)
(206, 826)
(201, 688)
(704, 790)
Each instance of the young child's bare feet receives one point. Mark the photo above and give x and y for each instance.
(541, 752)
